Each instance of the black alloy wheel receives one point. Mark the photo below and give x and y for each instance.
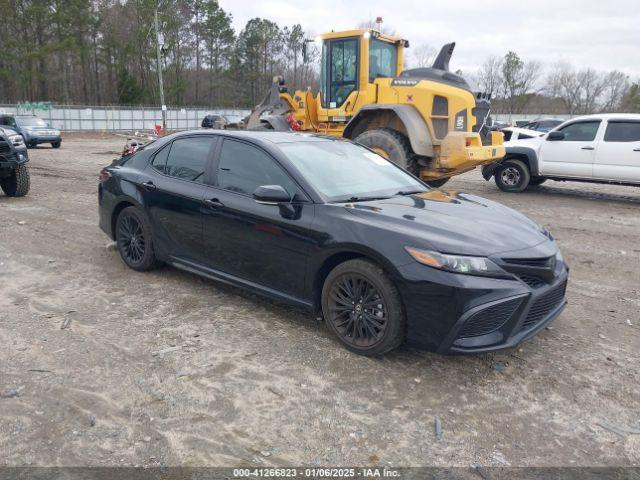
(362, 307)
(358, 311)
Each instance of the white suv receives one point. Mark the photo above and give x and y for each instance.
(594, 148)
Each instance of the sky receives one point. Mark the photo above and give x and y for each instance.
(602, 34)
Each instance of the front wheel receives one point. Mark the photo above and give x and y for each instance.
(134, 241)
(362, 307)
(55, 144)
(512, 176)
(18, 184)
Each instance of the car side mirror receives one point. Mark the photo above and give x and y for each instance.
(555, 135)
(271, 194)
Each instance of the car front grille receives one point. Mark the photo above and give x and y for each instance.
(544, 305)
(533, 282)
(530, 262)
(4, 147)
(489, 319)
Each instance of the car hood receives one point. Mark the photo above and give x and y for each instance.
(453, 222)
(8, 131)
(525, 142)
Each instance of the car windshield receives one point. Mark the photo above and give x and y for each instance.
(342, 171)
(30, 122)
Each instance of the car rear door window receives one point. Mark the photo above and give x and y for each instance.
(620, 131)
(159, 161)
(188, 157)
(581, 131)
(243, 168)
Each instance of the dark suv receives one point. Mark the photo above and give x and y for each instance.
(33, 129)
(14, 176)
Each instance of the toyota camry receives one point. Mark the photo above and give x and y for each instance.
(333, 227)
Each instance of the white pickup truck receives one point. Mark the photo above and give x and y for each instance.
(601, 148)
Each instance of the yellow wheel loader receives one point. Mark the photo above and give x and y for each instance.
(427, 120)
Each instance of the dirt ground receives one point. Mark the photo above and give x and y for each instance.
(102, 365)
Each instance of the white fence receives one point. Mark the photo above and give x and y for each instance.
(85, 118)
(530, 117)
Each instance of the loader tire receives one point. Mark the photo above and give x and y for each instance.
(392, 145)
(18, 184)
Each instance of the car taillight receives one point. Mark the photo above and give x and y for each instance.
(105, 174)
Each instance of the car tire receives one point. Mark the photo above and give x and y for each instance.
(134, 240)
(55, 144)
(512, 176)
(437, 183)
(362, 307)
(392, 145)
(18, 184)
(536, 181)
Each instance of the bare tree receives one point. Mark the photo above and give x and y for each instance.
(615, 90)
(587, 90)
(490, 76)
(423, 56)
(373, 25)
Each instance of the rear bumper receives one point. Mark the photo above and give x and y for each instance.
(455, 314)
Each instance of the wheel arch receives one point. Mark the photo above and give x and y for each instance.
(402, 118)
(335, 257)
(121, 205)
(527, 155)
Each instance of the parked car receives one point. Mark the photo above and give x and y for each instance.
(33, 129)
(601, 148)
(14, 174)
(328, 225)
(516, 133)
(543, 124)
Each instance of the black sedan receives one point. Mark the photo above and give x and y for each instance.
(330, 226)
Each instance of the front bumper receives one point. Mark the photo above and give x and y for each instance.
(460, 314)
(35, 138)
(12, 159)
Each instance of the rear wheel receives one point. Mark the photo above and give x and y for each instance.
(134, 241)
(512, 176)
(18, 184)
(392, 145)
(362, 307)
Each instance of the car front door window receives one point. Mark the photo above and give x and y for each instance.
(581, 131)
(243, 168)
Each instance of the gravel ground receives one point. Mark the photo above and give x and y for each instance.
(102, 365)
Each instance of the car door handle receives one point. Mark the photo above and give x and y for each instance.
(636, 149)
(149, 186)
(588, 148)
(213, 203)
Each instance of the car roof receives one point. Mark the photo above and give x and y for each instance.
(269, 136)
(608, 116)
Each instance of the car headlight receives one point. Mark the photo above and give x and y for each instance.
(16, 139)
(456, 263)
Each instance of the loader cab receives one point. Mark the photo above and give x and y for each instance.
(350, 63)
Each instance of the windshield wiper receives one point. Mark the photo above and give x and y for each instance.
(409, 192)
(358, 199)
